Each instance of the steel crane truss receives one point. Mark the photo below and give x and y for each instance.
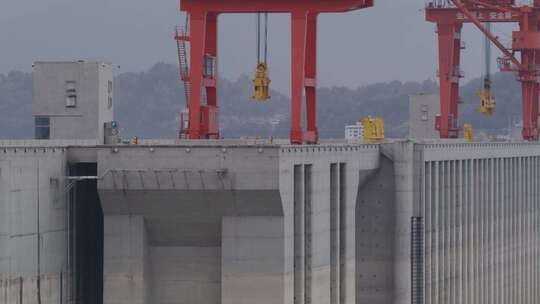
(203, 119)
(526, 40)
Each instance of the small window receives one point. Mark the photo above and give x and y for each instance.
(42, 127)
(424, 108)
(70, 86)
(209, 66)
(109, 87)
(71, 101)
(42, 121)
(71, 94)
(424, 116)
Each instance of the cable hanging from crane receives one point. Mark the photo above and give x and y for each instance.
(262, 81)
(487, 100)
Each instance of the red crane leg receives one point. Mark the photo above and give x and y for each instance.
(211, 48)
(298, 59)
(534, 103)
(534, 111)
(198, 27)
(529, 84)
(312, 134)
(454, 92)
(449, 74)
(529, 130)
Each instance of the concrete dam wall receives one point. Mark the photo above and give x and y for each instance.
(225, 222)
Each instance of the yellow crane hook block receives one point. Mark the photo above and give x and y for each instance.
(488, 103)
(373, 130)
(262, 83)
(468, 133)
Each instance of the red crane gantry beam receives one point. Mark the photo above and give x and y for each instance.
(450, 20)
(203, 119)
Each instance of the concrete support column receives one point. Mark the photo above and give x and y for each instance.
(125, 278)
(349, 179)
(253, 260)
(403, 171)
(5, 258)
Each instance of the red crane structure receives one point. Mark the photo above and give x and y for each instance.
(202, 71)
(450, 15)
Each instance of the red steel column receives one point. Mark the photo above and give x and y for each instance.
(536, 88)
(298, 59)
(528, 95)
(454, 91)
(449, 44)
(529, 83)
(198, 34)
(211, 48)
(312, 134)
(534, 109)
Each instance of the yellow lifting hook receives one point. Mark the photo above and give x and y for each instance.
(488, 103)
(262, 83)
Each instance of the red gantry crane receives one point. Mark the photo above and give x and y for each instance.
(450, 15)
(202, 119)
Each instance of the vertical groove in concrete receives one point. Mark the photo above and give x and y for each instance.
(483, 215)
(527, 229)
(500, 216)
(334, 234)
(444, 214)
(515, 233)
(536, 232)
(464, 220)
(342, 236)
(426, 183)
(461, 225)
(521, 185)
(436, 229)
(308, 234)
(298, 235)
(489, 228)
(450, 205)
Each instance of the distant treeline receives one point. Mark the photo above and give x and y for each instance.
(147, 105)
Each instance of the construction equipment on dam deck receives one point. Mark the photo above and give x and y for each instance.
(201, 33)
(468, 133)
(373, 130)
(450, 15)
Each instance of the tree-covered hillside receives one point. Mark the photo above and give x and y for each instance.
(147, 105)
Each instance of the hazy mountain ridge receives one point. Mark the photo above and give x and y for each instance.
(147, 105)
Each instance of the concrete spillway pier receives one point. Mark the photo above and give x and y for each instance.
(242, 222)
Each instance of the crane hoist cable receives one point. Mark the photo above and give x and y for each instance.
(261, 81)
(487, 101)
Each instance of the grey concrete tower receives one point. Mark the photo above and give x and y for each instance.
(72, 100)
(423, 110)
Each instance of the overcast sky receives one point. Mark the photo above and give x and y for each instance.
(388, 42)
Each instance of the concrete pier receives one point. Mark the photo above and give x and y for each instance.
(241, 222)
